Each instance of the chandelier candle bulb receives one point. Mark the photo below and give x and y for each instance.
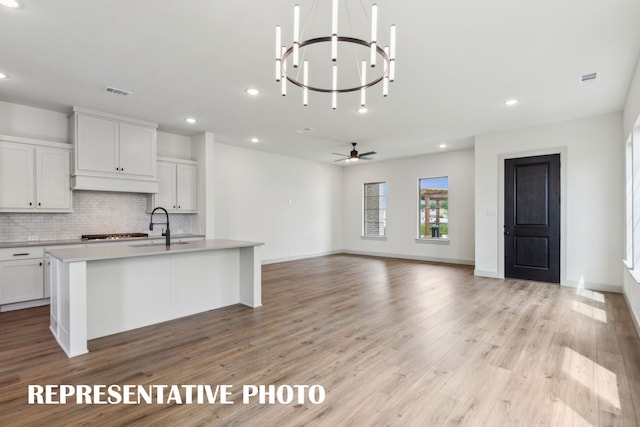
(334, 17)
(284, 74)
(363, 82)
(392, 70)
(305, 90)
(385, 79)
(374, 53)
(278, 42)
(296, 34)
(334, 94)
(392, 43)
(374, 33)
(334, 30)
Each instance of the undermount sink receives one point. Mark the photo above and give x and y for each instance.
(141, 245)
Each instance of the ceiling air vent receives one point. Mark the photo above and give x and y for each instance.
(117, 91)
(587, 78)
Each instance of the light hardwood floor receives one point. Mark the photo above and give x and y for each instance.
(393, 342)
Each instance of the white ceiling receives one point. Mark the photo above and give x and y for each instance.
(457, 62)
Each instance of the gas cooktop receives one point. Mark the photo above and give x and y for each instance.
(113, 236)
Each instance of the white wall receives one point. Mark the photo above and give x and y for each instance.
(593, 189)
(29, 122)
(632, 124)
(293, 206)
(402, 177)
(172, 145)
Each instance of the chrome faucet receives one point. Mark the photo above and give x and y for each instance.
(166, 233)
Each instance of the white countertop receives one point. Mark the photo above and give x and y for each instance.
(48, 243)
(140, 248)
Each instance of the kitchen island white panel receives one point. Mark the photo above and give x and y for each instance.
(102, 291)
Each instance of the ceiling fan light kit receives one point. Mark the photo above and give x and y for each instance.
(354, 156)
(288, 59)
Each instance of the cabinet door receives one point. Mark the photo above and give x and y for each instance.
(53, 179)
(137, 150)
(16, 176)
(21, 280)
(186, 187)
(97, 149)
(166, 198)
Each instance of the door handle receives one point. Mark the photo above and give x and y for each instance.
(507, 231)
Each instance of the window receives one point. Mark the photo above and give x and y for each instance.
(374, 209)
(433, 202)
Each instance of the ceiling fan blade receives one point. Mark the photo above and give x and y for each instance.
(367, 154)
(341, 160)
(338, 154)
(365, 158)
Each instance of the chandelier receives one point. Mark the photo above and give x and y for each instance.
(293, 64)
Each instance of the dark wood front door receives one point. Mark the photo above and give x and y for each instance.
(532, 218)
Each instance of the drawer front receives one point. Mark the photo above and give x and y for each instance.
(12, 254)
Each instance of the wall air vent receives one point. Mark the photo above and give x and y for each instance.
(587, 78)
(117, 91)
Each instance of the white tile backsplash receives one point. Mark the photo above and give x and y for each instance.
(94, 212)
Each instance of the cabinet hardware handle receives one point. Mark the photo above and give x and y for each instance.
(21, 254)
(179, 207)
(40, 264)
(30, 204)
(39, 204)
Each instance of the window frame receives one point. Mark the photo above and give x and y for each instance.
(383, 223)
(429, 239)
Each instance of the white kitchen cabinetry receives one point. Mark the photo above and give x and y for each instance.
(34, 176)
(178, 185)
(113, 153)
(21, 275)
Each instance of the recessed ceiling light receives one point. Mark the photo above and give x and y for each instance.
(362, 110)
(3, 76)
(255, 140)
(10, 3)
(190, 120)
(252, 91)
(443, 145)
(511, 102)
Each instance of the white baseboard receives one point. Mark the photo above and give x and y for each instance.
(634, 316)
(411, 257)
(298, 257)
(375, 254)
(593, 286)
(486, 273)
(25, 304)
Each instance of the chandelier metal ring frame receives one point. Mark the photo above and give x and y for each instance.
(283, 53)
(353, 40)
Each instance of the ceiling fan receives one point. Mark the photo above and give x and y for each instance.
(354, 156)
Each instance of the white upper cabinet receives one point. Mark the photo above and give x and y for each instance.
(16, 176)
(178, 185)
(53, 179)
(34, 176)
(113, 153)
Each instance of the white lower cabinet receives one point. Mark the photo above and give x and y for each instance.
(25, 272)
(21, 275)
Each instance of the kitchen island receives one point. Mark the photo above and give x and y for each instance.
(100, 291)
